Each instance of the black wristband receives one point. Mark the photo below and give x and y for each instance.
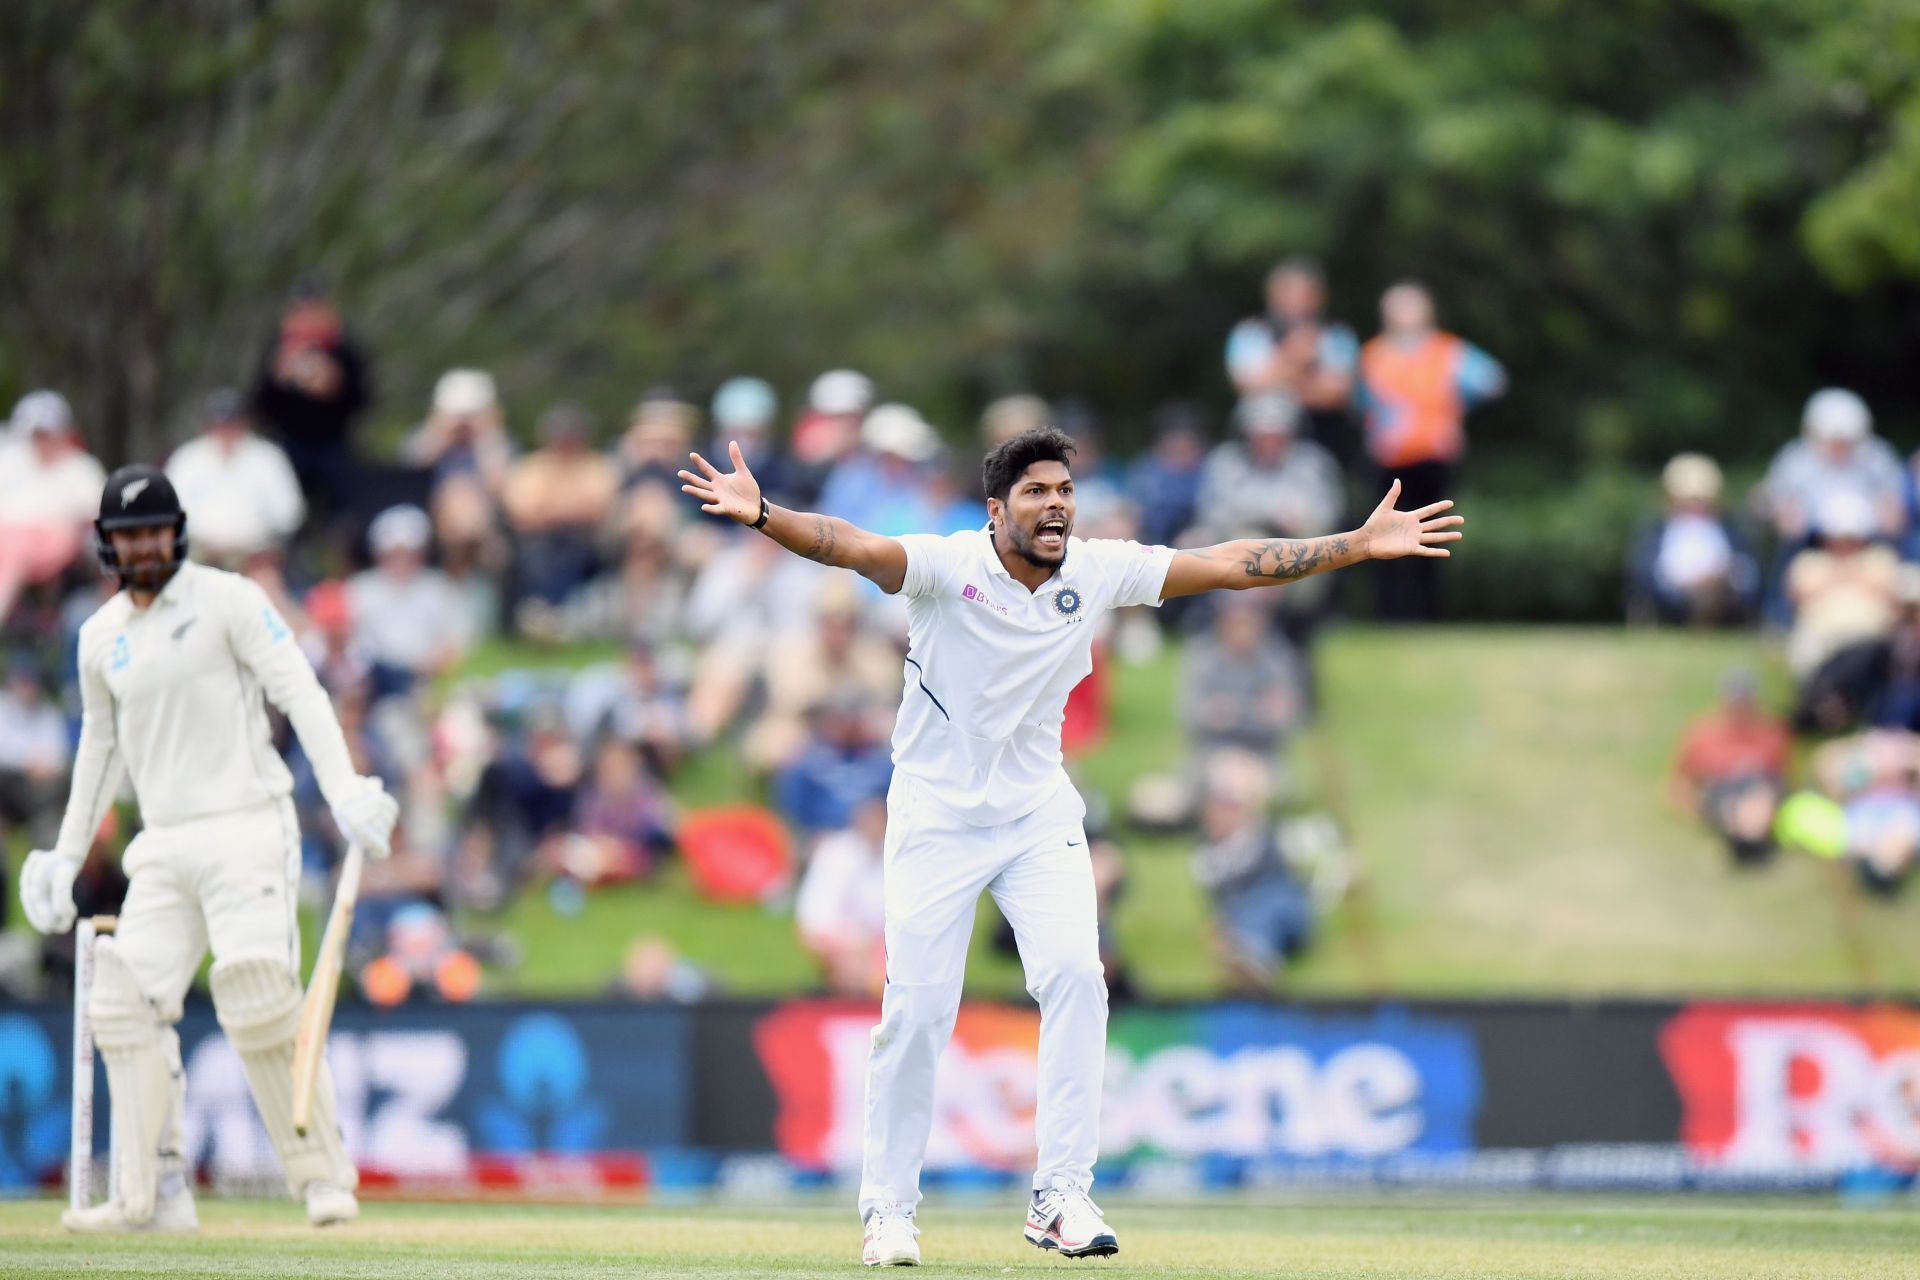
(766, 513)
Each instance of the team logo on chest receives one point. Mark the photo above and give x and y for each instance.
(1066, 602)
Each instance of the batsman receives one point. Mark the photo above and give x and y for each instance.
(172, 672)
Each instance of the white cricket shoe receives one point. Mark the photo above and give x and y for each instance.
(328, 1203)
(172, 1211)
(890, 1240)
(1063, 1217)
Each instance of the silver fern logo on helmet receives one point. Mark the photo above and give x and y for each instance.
(134, 490)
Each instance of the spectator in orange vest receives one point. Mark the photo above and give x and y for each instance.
(1416, 384)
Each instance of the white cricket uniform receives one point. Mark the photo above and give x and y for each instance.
(980, 800)
(173, 694)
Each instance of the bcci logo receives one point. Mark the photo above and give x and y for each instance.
(1066, 602)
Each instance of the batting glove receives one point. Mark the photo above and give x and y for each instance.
(365, 816)
(46, 890)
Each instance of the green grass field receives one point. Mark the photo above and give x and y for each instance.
(1533, 1237)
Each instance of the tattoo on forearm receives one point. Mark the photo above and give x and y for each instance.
(1285, 559)
(823, 541)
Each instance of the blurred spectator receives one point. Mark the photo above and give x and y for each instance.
(50, 490)
(524, 799)
(845, 763)
(409, 619)
(1294, 349)
(835, 657)
(1263, 914)
(473, 554)
(314, 380)
(1836, 455)
(33, 755)
(645, 593)
(1270, 484)
(422, 960)
(1240, 687)
(656, 442)
(748, 597)
(1690, 564)
(238, 486)
(882, 487)
(1894, 683)
(1010, 416)
(465, 432)
(828, 430)
(841, 908)
(557, 498)
(1164, 483)
(744, 412)
(1875, 777)
(1417, 383)
(952, 497)
(638, 700)
(622, 821)
(1731, 770)
(653, 970)
(1843, 594)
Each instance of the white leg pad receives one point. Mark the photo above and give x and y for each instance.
(142, 1056)
(258, 1003)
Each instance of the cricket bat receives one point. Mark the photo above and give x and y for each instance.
(316, 1012)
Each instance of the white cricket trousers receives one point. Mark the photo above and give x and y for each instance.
(1038, 871)
(227, 880)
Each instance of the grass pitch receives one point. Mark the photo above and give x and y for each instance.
(1531, 1237)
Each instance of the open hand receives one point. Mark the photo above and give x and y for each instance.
(1391, 534)
(736, 496)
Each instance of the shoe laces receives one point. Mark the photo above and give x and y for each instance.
(878, 1220)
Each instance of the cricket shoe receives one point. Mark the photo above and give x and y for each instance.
(1063, 1217)
(328, 1203)
(890, 1240)
(172, 1211)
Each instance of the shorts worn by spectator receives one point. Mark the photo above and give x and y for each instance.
(49, 494)
(240, 487)
(840, 911)
(1263, 914)
(1731, 769)
(1690, 564)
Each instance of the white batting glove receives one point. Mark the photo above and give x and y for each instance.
(46, 890)
(365, 816)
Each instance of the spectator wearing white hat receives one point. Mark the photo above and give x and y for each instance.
(240, 487)
(744, 410)
(1690, 564)
(49, 494)
(883, 486)
(410, 620)
(1836, 452)
(465, 432)
(829, 428)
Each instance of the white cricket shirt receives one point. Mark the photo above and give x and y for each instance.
(990, 664)
(173, 693)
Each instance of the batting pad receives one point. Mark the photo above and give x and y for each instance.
(258, 1003)
(142, 1056)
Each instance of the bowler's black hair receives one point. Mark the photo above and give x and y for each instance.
(1010, 460)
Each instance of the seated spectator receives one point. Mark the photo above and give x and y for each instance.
(1294, 349)
(1010, 416)
(465, 433)
(882, 487)
(1836, 455)
(409, 619)
(622, 821)
(836, 656)
(1691, 564)
(1731, 770)
(1240, 686)
(421, 961)
(1843, 594)
(645, 593)
(473, 555)
(841, 908)
(557, 498)
(744, 411)
(50, 490)
(641, 700)
(1164, 482)
(329, 642)
(828, 430)
(33, 756)
(1263, 914)
(656, 442)
(1270, 484)
(652, 969)
(239, 486)
(846, 762)
(1894, 685)
(1875, 777)
(523, 800)
(748, 597)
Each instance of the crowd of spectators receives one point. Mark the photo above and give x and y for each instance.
(1825, 560)
(393, 569)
